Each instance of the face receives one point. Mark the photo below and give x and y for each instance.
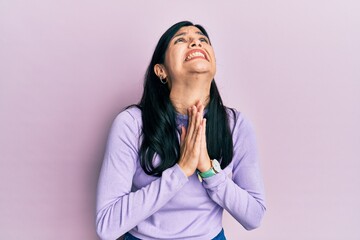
(189, 52)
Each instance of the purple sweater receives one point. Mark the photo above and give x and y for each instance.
(175, 206)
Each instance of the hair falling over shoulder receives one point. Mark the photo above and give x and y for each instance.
(159, 131)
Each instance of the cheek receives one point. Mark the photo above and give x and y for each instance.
(173, 59)
(212, 54)
(169, 65)
(213, 62)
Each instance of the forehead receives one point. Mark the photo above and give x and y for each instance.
(188, 30)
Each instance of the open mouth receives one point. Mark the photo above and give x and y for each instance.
(196, 53)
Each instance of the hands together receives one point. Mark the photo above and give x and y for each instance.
(193, 151)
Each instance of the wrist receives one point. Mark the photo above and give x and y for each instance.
(185, 170)
(214, 169)
(205, 166)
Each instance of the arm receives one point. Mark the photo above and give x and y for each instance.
(119, 209)
(243, 194)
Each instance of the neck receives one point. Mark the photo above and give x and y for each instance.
(183, 96)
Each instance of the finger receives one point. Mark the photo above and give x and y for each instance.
(197, 124)
(204, 133)
(201, 110)
(200, 114)
(183, 135)
(199, 118)
(192, 122)
(204, 124)
(198, 137)
(198, 104)
(189, 131)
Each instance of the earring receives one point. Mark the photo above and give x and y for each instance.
(162, 81)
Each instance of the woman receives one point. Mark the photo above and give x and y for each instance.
(178, 158)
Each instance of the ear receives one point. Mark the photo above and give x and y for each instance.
(159, 70)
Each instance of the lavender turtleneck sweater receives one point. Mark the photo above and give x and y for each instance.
(175, 206)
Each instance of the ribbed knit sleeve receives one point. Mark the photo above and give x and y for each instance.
(118, 208)
(240, 191)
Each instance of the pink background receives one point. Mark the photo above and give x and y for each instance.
(68, 67)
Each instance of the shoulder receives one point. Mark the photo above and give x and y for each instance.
(129, 119)
(236, 118)
(240, 125)
(131, 113)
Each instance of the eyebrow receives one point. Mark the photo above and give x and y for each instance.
(184, 33)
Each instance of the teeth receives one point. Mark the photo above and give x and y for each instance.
(195, 54)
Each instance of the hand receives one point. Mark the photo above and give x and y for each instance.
(191, 141)
(204, 160)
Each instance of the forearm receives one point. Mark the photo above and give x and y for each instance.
(122, 213)
(245, 206)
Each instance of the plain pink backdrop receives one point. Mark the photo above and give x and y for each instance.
(68, 67)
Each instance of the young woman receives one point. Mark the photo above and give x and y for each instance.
(178, 158)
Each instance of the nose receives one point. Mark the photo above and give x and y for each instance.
(195, 43)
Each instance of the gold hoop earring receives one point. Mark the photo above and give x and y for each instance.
(162, 81)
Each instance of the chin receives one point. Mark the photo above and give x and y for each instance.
(201, 68)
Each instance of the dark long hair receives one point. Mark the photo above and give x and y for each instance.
(159, 129)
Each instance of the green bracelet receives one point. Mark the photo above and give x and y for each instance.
(208, 173)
